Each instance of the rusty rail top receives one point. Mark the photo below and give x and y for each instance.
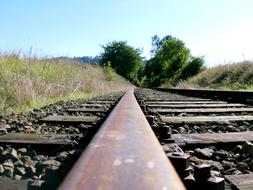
(124, 154)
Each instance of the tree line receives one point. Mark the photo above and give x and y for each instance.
(170, 62)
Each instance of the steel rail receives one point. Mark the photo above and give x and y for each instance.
(124, 154)
(241, 96)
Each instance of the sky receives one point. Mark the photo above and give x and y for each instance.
(219, 30)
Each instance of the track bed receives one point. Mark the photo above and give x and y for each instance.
(208, 142)
(141, 139)
(38, 148)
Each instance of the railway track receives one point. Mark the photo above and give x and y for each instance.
(144, 139)
(38, 148)
(207, 140)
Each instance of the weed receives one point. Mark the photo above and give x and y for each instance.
(30, 82)
(230, 76)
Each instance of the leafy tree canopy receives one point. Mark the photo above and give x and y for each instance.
(171, 61)
(193, 67)
(124, 59)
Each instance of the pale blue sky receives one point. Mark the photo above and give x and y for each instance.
(220, 30)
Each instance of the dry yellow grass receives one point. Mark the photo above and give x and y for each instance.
(31, 82)
(229, 76)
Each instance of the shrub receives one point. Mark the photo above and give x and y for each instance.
(172, 62)
(124, 59)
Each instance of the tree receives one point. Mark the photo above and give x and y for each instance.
(190, 69)
(170, 57)
(124, 59)
(157, 43)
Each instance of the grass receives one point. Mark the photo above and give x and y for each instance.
(27, 83)
(230, 76)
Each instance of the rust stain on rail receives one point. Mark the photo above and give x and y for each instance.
(124, 154)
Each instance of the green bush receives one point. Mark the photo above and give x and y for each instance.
(172, 62)
(190, 69)
(109, 72)
(124, 59)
